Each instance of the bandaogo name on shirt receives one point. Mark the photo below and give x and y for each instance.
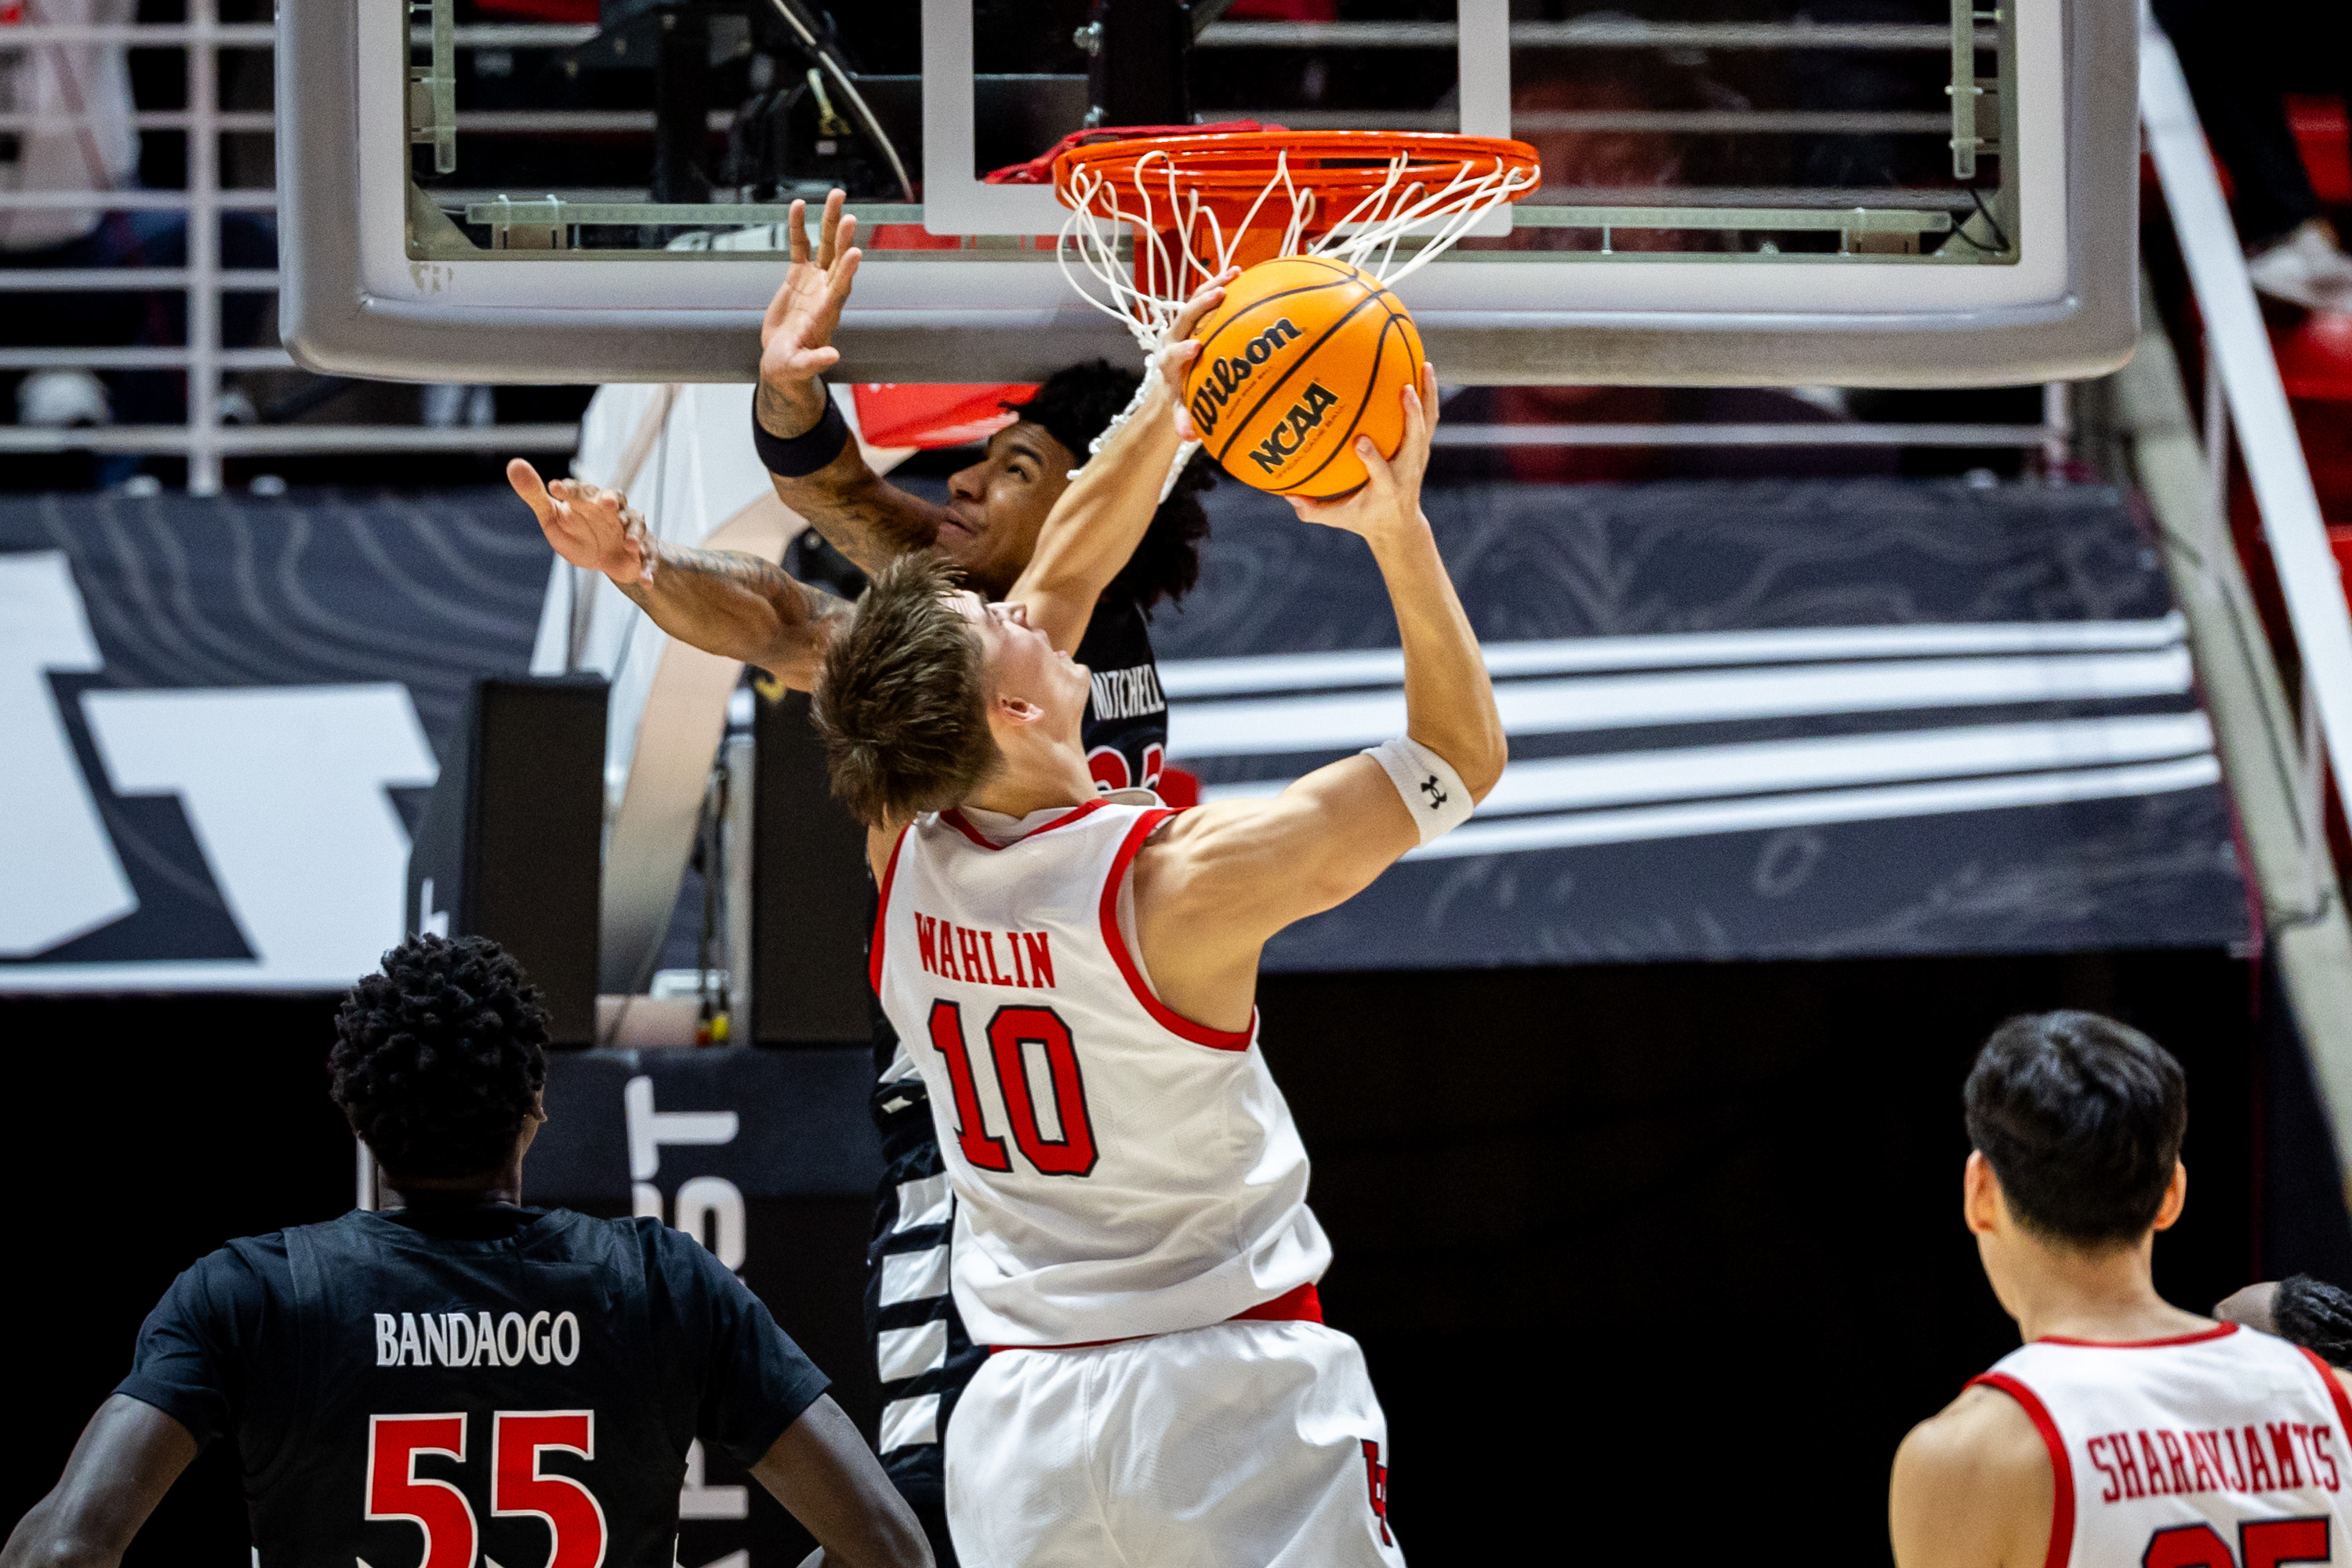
(462, 1338)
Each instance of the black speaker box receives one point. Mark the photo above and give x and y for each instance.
(813, 898)
(511, 845)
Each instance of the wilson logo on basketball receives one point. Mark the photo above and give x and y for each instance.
(1225, 375)
(1284, 442)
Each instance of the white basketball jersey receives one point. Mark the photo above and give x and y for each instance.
(2220, 1449)
(1120, 1169)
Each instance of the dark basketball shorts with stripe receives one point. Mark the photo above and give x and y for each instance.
(920, 1348)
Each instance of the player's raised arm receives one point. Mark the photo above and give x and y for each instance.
(725, 602)
(816, 467)
(1096, 523)
(1221, 879)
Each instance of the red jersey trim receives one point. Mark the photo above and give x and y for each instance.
(2062, 1472)
(1300, 1305)
(1161, 1014)
(956, 819)
(882, 912)
(2219, 1330)
(2335, 1389)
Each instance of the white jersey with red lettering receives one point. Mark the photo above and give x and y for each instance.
(2220, 1449)
(1120, 1171)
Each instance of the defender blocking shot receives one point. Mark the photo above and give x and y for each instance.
(1088, 555)
(459, 1379)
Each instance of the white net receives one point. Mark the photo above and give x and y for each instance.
(1180, 243)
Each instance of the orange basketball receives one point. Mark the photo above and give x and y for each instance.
(1304, 355)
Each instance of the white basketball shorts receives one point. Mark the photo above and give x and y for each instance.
(1245, 1443)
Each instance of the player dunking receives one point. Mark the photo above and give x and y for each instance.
(1089, 558)
(2125, 1431)
(460, 1380)
(1078, 976)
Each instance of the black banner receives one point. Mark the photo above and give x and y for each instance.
(768, 1158)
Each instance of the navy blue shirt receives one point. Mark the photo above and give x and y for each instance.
(356, 1362)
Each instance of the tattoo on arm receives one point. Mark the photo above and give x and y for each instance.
(864, 517)
(739, 606)
(764, 577)
(789, 411)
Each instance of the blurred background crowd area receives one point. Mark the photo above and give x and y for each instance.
(102, 177)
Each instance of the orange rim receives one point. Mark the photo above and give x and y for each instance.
(1340, 167)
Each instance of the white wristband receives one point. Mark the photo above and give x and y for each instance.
(1430, 787)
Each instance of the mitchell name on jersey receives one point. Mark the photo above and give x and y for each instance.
(463, 1339)
(1127, 693)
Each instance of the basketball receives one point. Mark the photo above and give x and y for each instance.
(1305, 354)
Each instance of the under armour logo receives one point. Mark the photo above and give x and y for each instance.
(1430, 788)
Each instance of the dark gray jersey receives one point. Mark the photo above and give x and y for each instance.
(523, 1390)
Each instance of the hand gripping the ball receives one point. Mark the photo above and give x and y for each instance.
(590, 527)
(1388, 504)
(1183, 347)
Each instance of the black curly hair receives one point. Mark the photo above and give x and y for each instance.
(2315, 1315)
(1078, 404)
(439, 1057)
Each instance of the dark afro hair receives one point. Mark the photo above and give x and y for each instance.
(1078, 404)
(2315, 1315)
(439, 1057)
(2081, 1118)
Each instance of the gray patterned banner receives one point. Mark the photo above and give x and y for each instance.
(1749, 719)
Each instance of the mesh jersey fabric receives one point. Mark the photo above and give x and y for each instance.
(921, 1350)
(1118, 1170)
(2157, 1445)
(319, 1349)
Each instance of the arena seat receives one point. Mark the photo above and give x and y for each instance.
(2314, 348)
(2320, 131)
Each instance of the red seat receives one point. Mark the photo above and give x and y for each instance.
(2315, 357)
(2326, 142)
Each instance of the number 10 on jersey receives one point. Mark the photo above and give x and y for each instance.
(1011, 1033)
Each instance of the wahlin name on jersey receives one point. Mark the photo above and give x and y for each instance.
(1120, 1169)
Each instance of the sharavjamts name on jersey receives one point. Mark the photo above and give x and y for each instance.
(957, 953)
(2162, 1463)
(1127, 693)
(458, 1339)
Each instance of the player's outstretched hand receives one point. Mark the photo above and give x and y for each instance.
(1183, 347)
(1388, 504)
(796, 336)
(590, 526)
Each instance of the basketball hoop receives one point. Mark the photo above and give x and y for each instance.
(1198, 205)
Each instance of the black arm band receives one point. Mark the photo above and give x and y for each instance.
(801, 455)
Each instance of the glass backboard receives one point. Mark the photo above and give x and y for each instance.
(1873, 192)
